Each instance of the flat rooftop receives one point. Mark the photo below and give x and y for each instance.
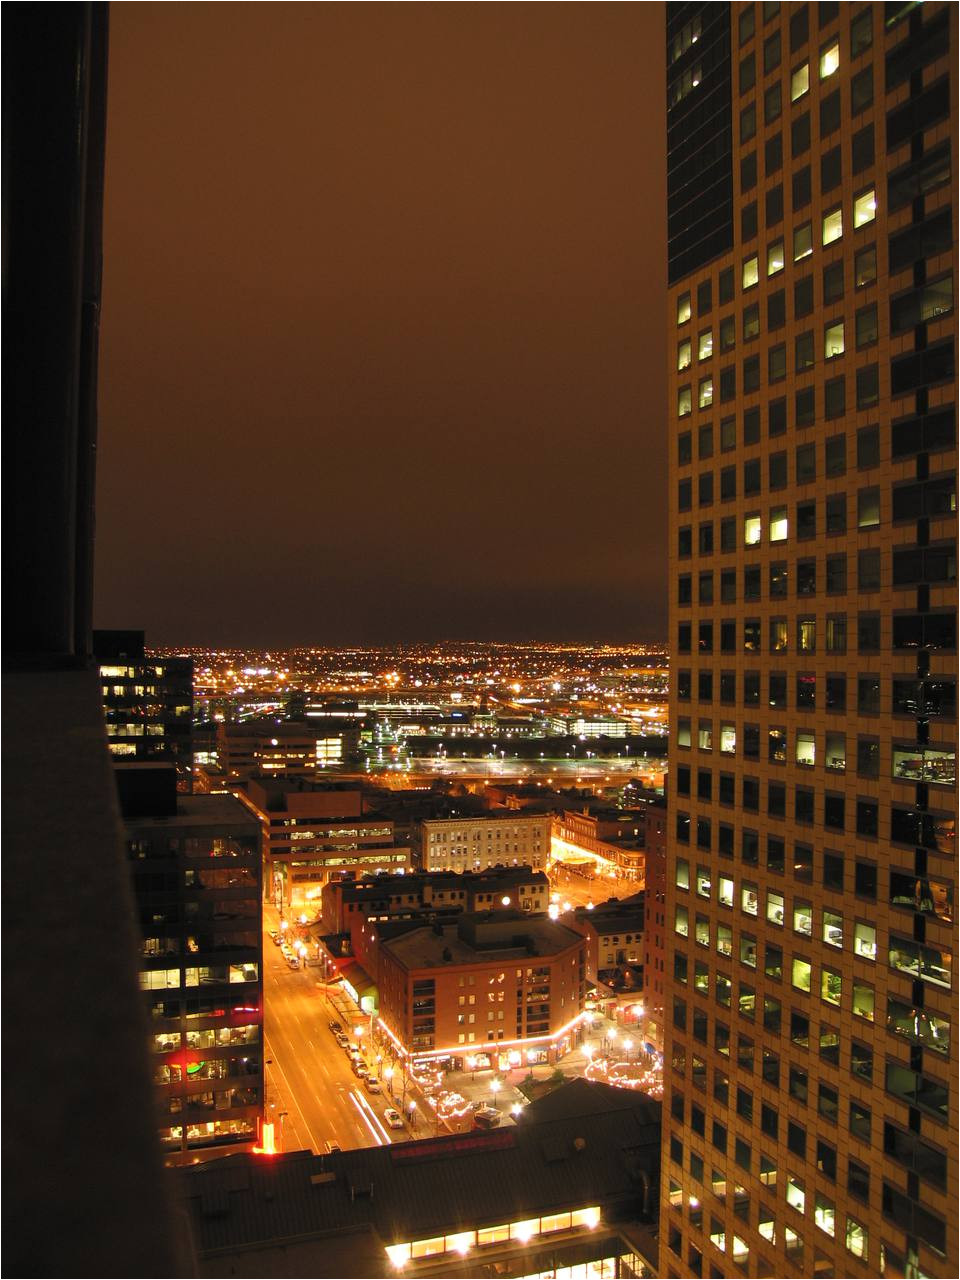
(216, 809)
(514, 937)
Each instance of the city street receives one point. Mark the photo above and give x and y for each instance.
(313, 1097)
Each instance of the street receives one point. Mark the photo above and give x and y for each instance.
(313, 1097)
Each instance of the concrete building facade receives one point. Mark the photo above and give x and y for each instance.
(471, 844)
(812, 226)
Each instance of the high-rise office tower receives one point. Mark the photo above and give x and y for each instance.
(147, 703)
(810, 1060)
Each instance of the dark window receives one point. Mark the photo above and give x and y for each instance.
(862, 150)
(773, 155)
(868, 386)
(834, 397)
(833, 283)
(803, 297)
(800, 135)
(829, 113)
(830, 169)
(861, 91)
(802, 188)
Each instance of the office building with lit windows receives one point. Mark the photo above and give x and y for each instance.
(195, 867)
(810, 1074)
(147, 702)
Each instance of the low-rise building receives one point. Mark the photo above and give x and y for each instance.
(471, 844)
(571, 1191)
(615, 946)
(614, 838)
(499, 983)
(428, 894)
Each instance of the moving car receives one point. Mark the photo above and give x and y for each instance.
(275, 937)
(393, 1118)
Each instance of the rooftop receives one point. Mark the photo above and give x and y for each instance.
(593, 1149)
(478, 936)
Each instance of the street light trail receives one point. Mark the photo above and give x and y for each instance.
(376, 1137)
(373, 1116)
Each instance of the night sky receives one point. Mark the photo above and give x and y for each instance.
(383, 344)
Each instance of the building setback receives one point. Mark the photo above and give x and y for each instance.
(810, 1074)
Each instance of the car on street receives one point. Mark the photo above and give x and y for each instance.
(331, 1146)
(393, 1118)
(335, 1026)
(358, 1066)
(293, 962)
(341, 1040)
(372, 1084)
(275, 937)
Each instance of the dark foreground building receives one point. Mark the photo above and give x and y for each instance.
(571, 1191)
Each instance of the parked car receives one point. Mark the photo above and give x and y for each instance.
(372, 1085)
(393, 1118)
(358, 1066)
(293, 962)
(275, 937)
(486, 1118)
(334, 1026)
(342, 1040)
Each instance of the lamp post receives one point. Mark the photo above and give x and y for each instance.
(388, 1076)
(495, 1089)
(412, 1112)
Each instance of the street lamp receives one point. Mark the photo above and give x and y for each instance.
(388, 1076)
(495, 1089)
(412, 1110)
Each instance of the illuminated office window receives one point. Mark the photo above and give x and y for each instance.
(832, 226)
(865, 208)
(829, 59)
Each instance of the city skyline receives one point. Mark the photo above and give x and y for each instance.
(398, 301)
